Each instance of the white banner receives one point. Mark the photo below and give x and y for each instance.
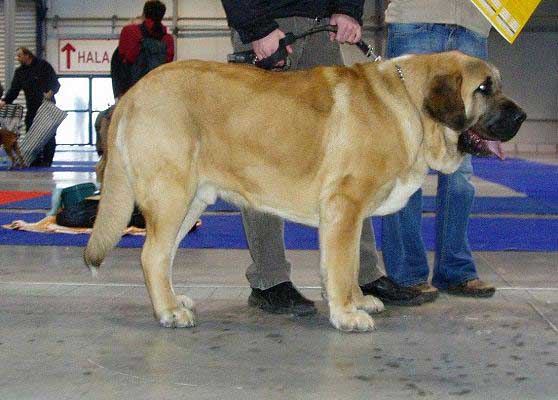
(85, 56)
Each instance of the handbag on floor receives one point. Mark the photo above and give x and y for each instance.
(46, 122)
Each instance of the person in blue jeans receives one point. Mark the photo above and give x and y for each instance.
(404, 253)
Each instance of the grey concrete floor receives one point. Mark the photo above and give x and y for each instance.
(64, 335)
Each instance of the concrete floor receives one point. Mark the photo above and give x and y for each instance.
(64, 335)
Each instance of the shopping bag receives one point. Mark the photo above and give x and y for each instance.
(46, 122)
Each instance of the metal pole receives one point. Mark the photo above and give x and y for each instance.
(9, 39)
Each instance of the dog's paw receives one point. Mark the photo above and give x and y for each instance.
(354, 321)
(370, 304)
(180, 317)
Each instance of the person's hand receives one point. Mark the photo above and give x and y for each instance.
(268, 45)
(2, 103)
(48, 95)
(348, 29)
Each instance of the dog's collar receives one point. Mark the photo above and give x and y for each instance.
(399, 72)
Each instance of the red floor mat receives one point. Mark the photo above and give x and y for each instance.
(9, 196)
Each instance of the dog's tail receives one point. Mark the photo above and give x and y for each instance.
(116, 205)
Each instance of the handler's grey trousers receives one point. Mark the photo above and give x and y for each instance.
(264, 232)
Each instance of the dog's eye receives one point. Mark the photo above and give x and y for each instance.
(485, 87)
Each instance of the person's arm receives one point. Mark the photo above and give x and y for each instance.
(15, 88)
(249, 19)
(129, 44)
(53, 85)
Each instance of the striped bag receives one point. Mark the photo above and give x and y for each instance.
(46, 121)
(11, 116)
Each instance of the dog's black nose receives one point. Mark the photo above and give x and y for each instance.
(519, 117)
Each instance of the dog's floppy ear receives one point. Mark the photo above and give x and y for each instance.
(443, 101)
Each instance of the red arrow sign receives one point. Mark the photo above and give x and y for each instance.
(68, 48)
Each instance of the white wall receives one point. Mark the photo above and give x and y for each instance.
(529, 67)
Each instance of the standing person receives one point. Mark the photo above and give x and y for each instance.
(39, 82)
(430, 26)
(260, 26)
(142, 47)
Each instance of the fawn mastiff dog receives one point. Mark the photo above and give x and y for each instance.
(325, 147)
(8, 140)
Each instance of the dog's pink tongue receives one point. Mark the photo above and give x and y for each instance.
(495, 148)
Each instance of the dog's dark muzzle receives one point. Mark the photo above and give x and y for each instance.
(483, 139)
(506, 123)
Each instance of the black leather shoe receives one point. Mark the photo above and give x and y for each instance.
(391, 293)
(283, 298)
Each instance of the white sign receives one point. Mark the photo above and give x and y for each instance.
(85, 56)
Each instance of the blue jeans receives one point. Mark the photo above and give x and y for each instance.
(404, 253)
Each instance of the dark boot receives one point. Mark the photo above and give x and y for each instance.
(283, 298)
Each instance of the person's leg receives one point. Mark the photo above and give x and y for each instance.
(48, 152)
(264, 234)
(38, 161)
(269, 272)
(319, 50)
(454, 261)
(403, 249)
(454, 268)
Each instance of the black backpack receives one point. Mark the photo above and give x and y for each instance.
(120, 74)
(153, 52)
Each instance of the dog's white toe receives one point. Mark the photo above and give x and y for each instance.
(354, 321)
(371, 305)
(180, 317)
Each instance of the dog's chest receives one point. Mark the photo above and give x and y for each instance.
(400, 194)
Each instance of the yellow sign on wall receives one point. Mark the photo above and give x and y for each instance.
(507, 16)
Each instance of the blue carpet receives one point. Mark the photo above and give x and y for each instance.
(538, 181)
(225, 231)
(482, 205)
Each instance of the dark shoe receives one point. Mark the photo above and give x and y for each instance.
(391, 293)
(472, 288)
(282, 299)
(429, 292)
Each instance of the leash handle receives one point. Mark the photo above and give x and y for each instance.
(280, 55)
(249, 57)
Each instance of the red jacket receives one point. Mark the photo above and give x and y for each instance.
(130, 41)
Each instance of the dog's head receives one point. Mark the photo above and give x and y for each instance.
(465, 95)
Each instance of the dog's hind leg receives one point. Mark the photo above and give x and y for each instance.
(165, 208)
(340, 229)
(197, 207)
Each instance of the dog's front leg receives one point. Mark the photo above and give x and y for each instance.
(340, 229)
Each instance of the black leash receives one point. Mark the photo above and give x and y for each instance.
(249, 57)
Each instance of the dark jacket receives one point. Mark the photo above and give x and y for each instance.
(35, 79)
(255, 19)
